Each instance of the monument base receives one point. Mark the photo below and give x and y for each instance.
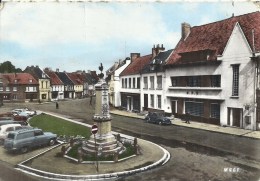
(106, 144)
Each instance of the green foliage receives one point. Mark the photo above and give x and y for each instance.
(8, 67)
(59, 126)
(128, 152)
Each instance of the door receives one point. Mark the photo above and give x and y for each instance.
(145, 102)
(174, 110)
(39, 138)
(236, 117)
(129, 103)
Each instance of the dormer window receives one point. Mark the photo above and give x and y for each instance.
(15, 81)
(30, 80)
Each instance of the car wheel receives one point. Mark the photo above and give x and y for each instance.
(24, 149)
(51, 142)
(160, 123)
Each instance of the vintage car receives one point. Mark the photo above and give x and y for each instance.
(23, 140)
(157, 118)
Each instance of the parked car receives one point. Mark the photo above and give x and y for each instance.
(24, 112)
(6, 118)
(5, 129)
(3, 122)
(23, 140)
(157, 118)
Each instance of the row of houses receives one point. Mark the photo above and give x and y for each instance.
(212, 73)
(35, 84)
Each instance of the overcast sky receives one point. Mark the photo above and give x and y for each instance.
(79, 36)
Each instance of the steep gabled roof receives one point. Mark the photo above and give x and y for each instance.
(137, 65)
(55, 80)
(20, 78)
(36, 72)
(64, 78)
(159, 60)
(75, 78)
(214, 36)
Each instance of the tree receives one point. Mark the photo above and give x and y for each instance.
(8, 67)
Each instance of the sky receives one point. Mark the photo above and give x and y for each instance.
(72, 36)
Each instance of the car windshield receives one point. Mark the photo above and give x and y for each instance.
(11, 136)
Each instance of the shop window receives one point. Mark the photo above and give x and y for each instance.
(194, 108)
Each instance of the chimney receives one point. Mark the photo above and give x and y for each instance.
(133, 56)
(156, 50)
(57, 70)
(185, 30)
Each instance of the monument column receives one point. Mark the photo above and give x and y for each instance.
(104, 137)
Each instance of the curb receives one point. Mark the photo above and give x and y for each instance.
(244, 135)
(48, 175)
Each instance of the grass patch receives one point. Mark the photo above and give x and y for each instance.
(128, 152)
(59, 126)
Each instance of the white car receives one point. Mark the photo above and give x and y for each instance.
(5, 129)
(23, 112)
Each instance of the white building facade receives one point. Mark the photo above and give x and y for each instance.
(221, 90)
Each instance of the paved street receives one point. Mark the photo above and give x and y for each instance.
(196, 154)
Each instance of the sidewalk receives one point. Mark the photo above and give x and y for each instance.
(197, 125)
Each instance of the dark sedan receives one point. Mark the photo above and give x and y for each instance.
(157, 118)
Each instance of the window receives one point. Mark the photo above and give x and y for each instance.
(30, 89)
(9, 129)
(159, 101)
(123, 83)
(235, 85)
(145, 83)
(133, 82)
(14, 88)
(194, 108)
(159, 82)
(215, 81)
(174, 81)
(194, 81)
(1, 88)
(130, 83)
(14, 96)
(126, 83)
(215, 110)
(7, 89)
(152, 82)
(38, 133)
(42, 83)
(138, 82)
(44, 96)
(152, 100)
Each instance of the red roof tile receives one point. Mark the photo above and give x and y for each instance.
(76, 79)
(54, 78)
(20, 78)
(137, 65)
(214, 36)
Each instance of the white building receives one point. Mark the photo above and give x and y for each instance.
(212, 74)
(114, 82)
